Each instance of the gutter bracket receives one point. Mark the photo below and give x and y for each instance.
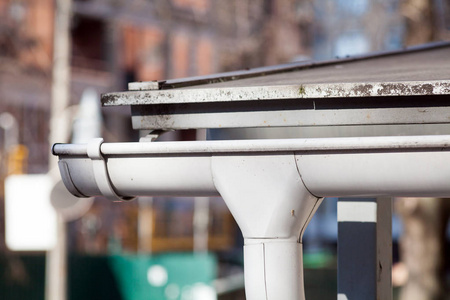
(101, 173)
(152, 136)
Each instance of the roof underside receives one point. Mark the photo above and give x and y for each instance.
(418, 72)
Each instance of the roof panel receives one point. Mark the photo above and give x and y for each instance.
(420, 72)
(431, 65)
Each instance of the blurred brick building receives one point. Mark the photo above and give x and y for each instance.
(115, 42)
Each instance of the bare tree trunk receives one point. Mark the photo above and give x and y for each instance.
(422, 246)
(420, 21)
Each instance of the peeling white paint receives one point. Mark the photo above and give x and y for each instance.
(300, 91)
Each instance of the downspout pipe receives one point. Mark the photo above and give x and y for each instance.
(272, 187)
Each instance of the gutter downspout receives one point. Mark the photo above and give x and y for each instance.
(272, 187)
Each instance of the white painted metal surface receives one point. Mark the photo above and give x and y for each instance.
(357, 212)
(272, 187)
(305, 146)
(397, 165)
(384, 248)
(284, 115)
(268, 92)
(376, 174)
(273, 270)
(272, 210)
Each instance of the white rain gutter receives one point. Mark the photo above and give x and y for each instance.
(272, 187)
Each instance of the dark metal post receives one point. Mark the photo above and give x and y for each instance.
(364, 248)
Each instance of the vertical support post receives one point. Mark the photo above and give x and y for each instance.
(201, 213)
(201, 222)
(145, 224)
(56, 259)
(364, 248)
(60, 74)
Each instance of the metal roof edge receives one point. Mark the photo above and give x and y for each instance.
(279, 92)
(290, 67)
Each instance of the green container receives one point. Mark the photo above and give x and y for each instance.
(171, 276)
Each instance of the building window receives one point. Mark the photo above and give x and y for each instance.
(89, 43)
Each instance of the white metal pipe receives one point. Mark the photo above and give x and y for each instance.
(272, 207)
(273, 269)
(140, 176)
(270, 186)
(265, 194)
(175, 176)
(353, 144)
(370, 166)
(395, 174)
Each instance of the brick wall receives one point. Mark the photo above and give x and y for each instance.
(205, 56)
(27, 29)
(142, 51)
(180, 54)
(199, 6)
(39, 24)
